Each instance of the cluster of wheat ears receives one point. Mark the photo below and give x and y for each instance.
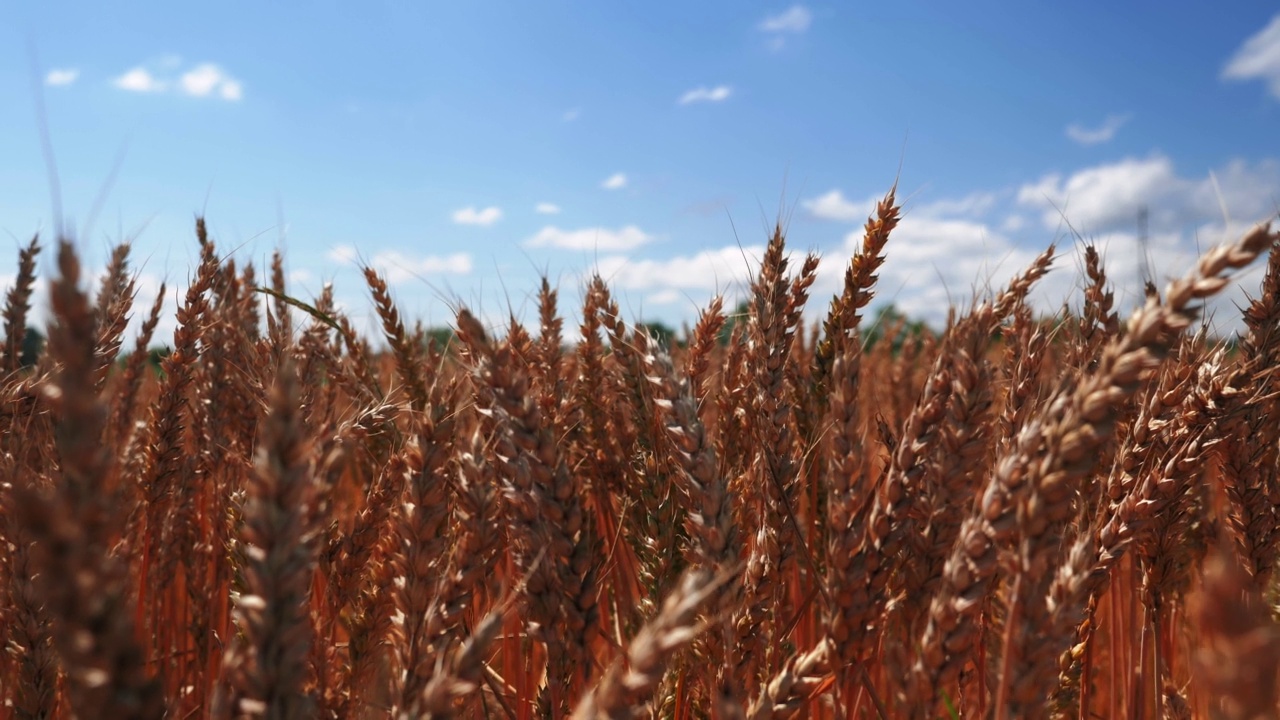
(1017, 517)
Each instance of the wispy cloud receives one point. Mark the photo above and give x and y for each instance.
(835, 206)
(546, 208)
(1101, 134)
(616, 181)
(571, 114)
(140, 80)
(1258, 58)
(398, 267)
(970, 206)
(716, 94)
(1185, 213)
(472, 216)
(61, 76)
(1103, 197)
(937, 262)
(956, 247)
(708, 270)
(208, 79)
(795, 20)
(342, 254)
(1013, 223)
(1108, 197)
(203, 80)
(595, 238)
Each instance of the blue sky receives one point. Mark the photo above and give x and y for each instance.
(464, 148)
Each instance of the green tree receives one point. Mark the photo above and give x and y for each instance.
(156, 356)
(740, 314)
(441, 337)
(663, 333)
(887, 318)
(32, 346)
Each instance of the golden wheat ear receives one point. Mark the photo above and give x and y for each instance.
(72, 527)
(628, 684)
(17, 304)
(269, 664)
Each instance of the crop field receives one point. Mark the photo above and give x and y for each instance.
(1015, 516)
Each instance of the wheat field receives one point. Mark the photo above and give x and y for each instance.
(1075, 516)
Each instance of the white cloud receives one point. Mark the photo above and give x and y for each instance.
(398, 267)
(945, 253)
(1103, 197)
(1246, 192)
(921, 240)
(1013, 223)
(972, 205)
(207, 78)
(1170, 255)
(719, 93)
(664, 297)
(61, 76)
(546, 208)
(835, 206)
(141, 80)
(596, 238)
(1258, 58)
(936, 263)
(571, 114)
(301, 276)
(795, 19)
(204, 80)
(709, 270)
(1101, 134)
(343, 255)
(953, 250)
(615, 181)
(472, 216)
(1109, 197)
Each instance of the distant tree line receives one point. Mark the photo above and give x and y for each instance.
(887, 317)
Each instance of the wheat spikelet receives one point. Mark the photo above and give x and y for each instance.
(1017, 516)
(1057, 449)
(72, 527)
(279, 540)
(626, 685)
